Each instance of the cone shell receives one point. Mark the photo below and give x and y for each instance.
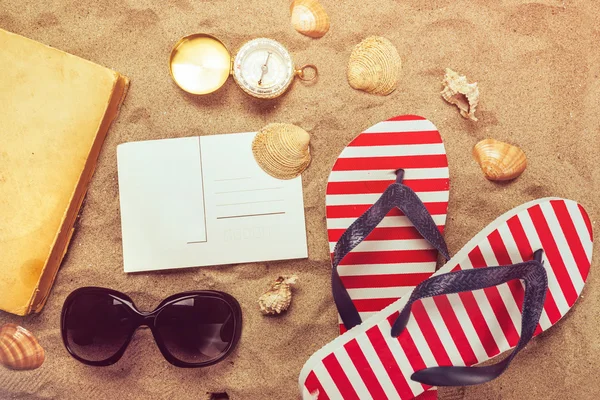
(282, 150)
(374, 66)
(309, 18)
(279, 297)
(463, 94)
(499, 161)
(19, 349)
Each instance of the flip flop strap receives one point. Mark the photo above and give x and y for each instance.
(396, 195)
(533, 275)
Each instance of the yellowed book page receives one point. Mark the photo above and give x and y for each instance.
(51, 106)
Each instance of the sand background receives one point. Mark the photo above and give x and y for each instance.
(538, 67)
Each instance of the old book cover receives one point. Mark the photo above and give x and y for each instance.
(54, 115)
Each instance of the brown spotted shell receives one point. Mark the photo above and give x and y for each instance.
(282, 150)
(374, 66)
(461, 93)
(19, 349)
(309, 18)
(499, 161)
(279, 297)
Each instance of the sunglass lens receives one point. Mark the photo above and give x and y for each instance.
(197, 329)
(97, 325)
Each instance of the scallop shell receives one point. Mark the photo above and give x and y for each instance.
(279, 297)
(463, 94)
(499, 161)
(282, 150)
(19, 349)
(374, 66)
(309, 18)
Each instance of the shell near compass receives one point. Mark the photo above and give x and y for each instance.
(309, 18)
(457, 90)
(19, 349)
(279, 297)
(374, 66)
(282, 150)
(499, 161)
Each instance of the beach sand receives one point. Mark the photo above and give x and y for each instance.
(538, 68)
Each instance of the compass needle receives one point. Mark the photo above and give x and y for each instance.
(264, 69)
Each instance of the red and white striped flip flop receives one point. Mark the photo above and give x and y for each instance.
(394, 258)
(465, 328)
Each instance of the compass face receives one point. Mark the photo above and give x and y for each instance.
(263, 68)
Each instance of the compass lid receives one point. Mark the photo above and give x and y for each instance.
(200, 63)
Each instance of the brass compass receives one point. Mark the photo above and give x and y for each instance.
(263, 68)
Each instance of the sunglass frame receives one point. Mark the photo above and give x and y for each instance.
(141, 318)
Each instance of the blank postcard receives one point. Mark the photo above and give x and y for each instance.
(201, 201)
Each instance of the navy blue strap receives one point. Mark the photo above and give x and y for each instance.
(396, 195)
(533, 275)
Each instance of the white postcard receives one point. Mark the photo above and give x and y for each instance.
(201, 201)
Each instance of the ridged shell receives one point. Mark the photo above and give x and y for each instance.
(463, 94)
(279, 297)
(19, 349)
(282, 150)
(499, 161)
(374, 66)
(309, 18)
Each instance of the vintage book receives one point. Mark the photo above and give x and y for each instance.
(55, 111)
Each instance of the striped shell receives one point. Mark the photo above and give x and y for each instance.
(19, 349)
(499, 161)
(309, 18)
(463, 94)
(282, 150)
(374, 66)
(279, 297)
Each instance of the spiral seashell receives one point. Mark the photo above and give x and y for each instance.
(499, 161)
(374, 66)
(309, 18)
(19, 349)
(463, 94)
(282, 150)
(279, 297)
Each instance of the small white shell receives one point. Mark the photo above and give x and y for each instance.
(279, 297)
(463, 94)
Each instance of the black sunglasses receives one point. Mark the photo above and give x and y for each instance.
(191, 329)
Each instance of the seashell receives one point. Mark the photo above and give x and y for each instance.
(282, 150)
(309, 18)
(499, 161)
(463, 94)
(374, 66)
(279, 297)
(19, 349)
